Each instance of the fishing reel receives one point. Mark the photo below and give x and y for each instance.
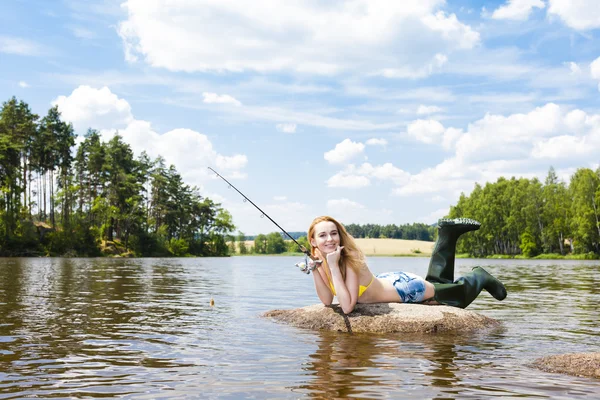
(308, 264)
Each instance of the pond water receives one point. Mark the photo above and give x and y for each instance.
(145, 329)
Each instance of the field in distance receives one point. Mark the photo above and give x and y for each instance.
(388, 247)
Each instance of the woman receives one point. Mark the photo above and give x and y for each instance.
(344, 272)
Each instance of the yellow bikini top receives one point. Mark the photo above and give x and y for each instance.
(361, 288)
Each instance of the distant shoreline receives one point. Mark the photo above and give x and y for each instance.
(421, 248)
(380, 247)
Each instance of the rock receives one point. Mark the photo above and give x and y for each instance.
(577, 364)
(384, 318)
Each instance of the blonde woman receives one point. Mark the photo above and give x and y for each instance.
(344, 273)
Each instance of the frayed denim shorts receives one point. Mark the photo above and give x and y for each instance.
(410, 287)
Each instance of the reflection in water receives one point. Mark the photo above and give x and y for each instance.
(145, 327)
(366, 365)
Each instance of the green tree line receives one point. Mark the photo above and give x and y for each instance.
(415, 231)
(274, 243)
(530, 218)
(60, 199)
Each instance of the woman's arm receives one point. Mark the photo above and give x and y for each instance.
(321, 287)
(346, 291)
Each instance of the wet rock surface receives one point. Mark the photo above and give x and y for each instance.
(384, 318)
(576, 364)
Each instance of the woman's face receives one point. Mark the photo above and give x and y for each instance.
(326, 237)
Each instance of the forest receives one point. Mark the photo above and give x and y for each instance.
(59, 199)
(95, 198)
(525, 217)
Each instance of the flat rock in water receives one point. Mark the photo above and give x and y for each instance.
(577, 364)
(384, 318)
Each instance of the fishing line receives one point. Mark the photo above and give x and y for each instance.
(306, 266)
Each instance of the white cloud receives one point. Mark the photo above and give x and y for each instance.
(574, 68)
(498, 145)
(191, 152)
(307, 37)
(376, 142)
(23, 84)
(433, 132)
(19, 46)
(562, 147)
(426, 131)
(577, 14)
(344, 151)
(348, 180)
(452, 29)
(595, 68)
(517, 10)
(386, 171)
(220, 99)
(280, 198)
(88, 107)
(416, 72)
(353, 177)
(286, 128)
(338, 204)
(425, 110)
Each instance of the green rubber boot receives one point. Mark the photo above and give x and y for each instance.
(466, 289)
(441, 264)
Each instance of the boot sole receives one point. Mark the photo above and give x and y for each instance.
(459, 221)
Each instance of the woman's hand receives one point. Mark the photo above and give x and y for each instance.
(334, 257)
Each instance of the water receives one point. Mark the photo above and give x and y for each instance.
(144, 329)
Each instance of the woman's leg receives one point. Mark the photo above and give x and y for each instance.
(466, 289)
(441, 264)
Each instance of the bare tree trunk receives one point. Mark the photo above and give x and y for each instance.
(596, 214)
(44, 181)
(561, 243)
(53, 222)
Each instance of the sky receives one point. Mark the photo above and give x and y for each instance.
(371, 111)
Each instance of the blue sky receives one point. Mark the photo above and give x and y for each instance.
(372, 111)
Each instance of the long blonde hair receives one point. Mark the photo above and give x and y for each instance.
(351, 255)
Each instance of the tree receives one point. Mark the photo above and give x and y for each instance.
(241, 238)
(275, 243)
(584, 190)
(260, 244)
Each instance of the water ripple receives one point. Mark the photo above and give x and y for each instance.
(74, 328)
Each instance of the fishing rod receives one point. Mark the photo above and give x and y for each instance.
(305, 268)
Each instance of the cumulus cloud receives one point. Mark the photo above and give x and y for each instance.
(294, 35)
(344, 151)
(286, 128)
(353, 177)
(220, 99)
(89, 107)
(433, 132)
(190, 151)
(376, 142)
(580, 15)
(499, 145)
(517, 10)
(452, 29)
(425, 110)
(23, 84)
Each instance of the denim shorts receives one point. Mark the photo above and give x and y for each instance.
(410, 287)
